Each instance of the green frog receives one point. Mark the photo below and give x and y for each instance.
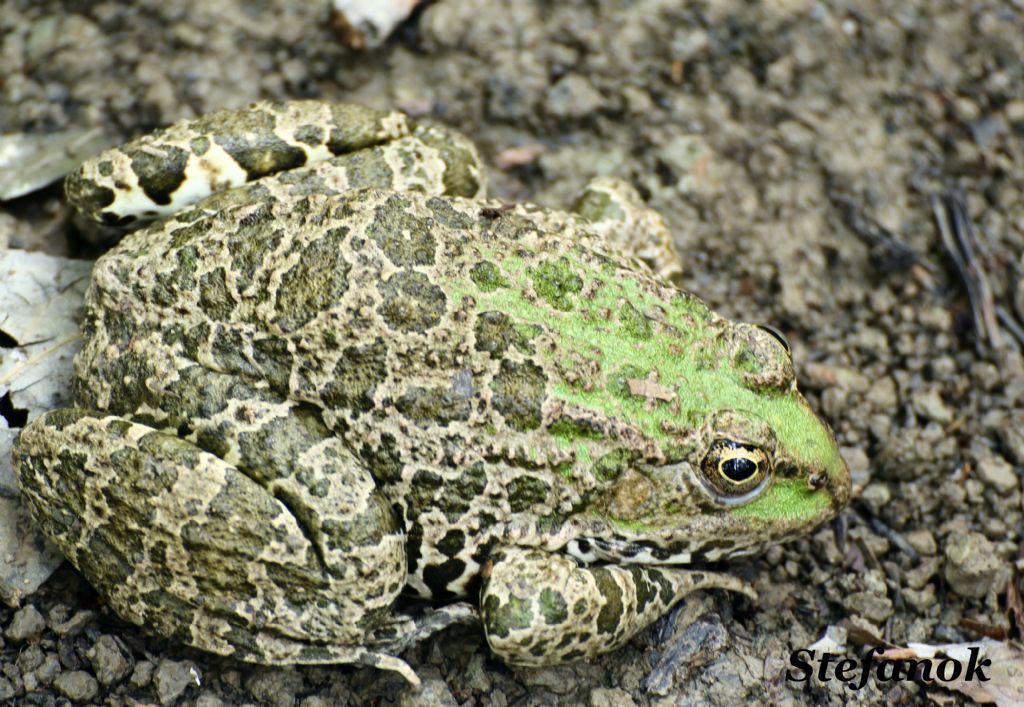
(329, 373)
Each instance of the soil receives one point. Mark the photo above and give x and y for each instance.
(799, 150)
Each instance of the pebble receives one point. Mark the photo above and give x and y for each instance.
(108, 661)
(610, 697)
(173, 677)
(77, 686)
(142, 675)
(27, 623)
(971, 564)
(997, 473)
(929, 404)
(434, 693)
(6, 689)
(573, 97)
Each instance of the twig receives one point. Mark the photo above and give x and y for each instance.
(958, 237)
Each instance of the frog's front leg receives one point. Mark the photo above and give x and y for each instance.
(540, 608)
(614, 209)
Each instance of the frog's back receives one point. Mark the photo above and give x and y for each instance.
(464, 350)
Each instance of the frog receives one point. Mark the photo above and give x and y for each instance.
(333, 399)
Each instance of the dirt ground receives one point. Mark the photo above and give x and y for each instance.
(799, 150)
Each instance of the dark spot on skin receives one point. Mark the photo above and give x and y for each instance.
(109, 218)
(553, 607)
(501, 619)
(105, 168)
(496, 333)
(248, 136)
(359, 371)
(274, 360)
(89, 194)
(199, 145)
(584, 546)
(487, 276)
(413, 548)
(426, 407)
(159, 176)
(383, 459)
(312, 135)
(214, 296)
(519, 391)
(526, 492)
(446, 215)
(411, 302)
(611, 613)
(452, 543)
(314, 284)
(645, 591)
(579, 608)
(438, 577)
(405, 238)
(557, 283)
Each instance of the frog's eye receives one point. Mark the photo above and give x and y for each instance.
(735, 471)
(778, 336)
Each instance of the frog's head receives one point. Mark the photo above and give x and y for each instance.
(752, 463)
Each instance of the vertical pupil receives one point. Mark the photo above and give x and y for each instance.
(738, 469)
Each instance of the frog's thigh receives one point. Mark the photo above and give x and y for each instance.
(614, 209)
(540, 608)
(180, 542)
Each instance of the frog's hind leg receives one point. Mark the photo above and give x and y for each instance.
(255, 534)
(614, 209)
(540, 608)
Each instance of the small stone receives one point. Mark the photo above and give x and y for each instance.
(1015, 111)
(49, 670)
(6, 690)
(173, 677)
(208, 700)
(27, 623)
(108, 661)
(142, 675)
(74, 625)
(30, 658)
(274, 686)
(929, 404)
(971, 564)
(573, 97)
(882, 394)
(434, 693)
(610, 697)
(997, 473)
(922, 540)
(876, 496)
(1011, 435)
(77, 686)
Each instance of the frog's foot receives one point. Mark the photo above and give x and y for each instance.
(283, 651)
(540, 608)
(629, 227)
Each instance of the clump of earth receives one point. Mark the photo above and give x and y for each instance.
(798, 151)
